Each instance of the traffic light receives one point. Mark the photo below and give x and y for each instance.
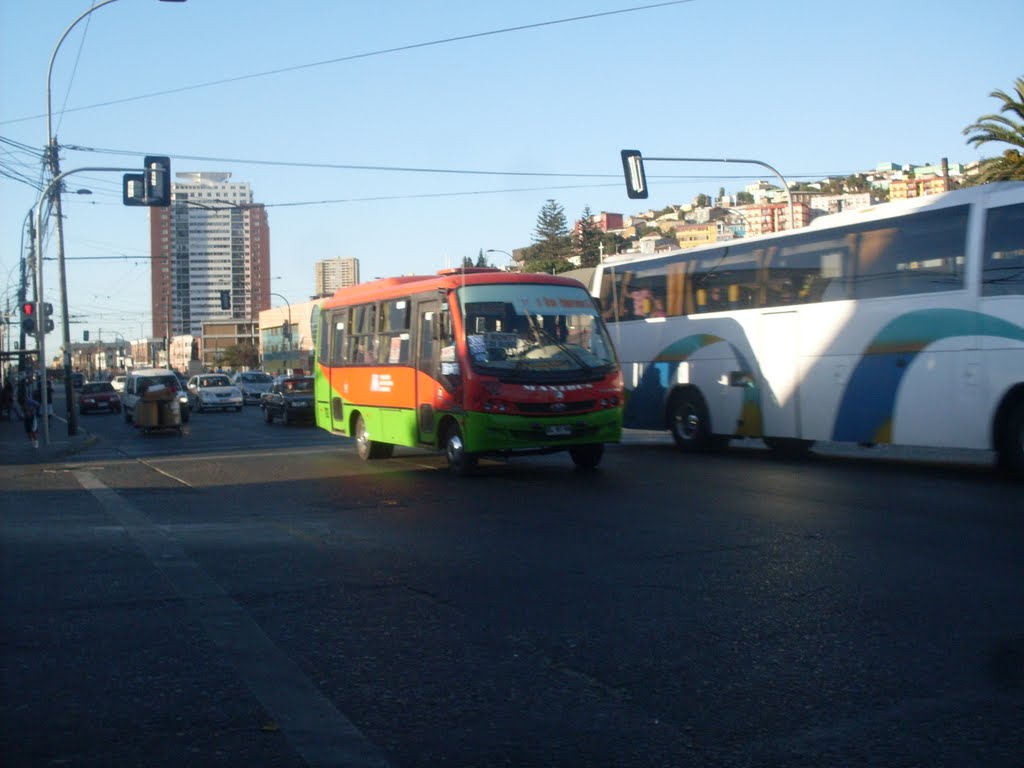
(46, 319)
(150, 188)
(158, 181)
(28, 317)
(85, 335)
(225, 299)
(633, 169)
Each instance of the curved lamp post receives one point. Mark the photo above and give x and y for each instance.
(54, 164)
(511, 258)
(288, 335)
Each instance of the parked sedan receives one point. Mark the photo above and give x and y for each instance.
(290, 398)
(253, 384)
(213, 390)
(98, 396)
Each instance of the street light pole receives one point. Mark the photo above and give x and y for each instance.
(53, 161)
(289, 336)
(40, 320)
(785, 184)
(511, 258)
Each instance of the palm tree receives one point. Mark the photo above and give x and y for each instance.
(998, 128)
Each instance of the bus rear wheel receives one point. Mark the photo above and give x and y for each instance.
(459, 461)
(1011, 442)
(689, 421)
(367, 448)
(587, 456)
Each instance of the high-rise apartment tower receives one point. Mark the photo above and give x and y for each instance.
(332, 274)
(212, 238)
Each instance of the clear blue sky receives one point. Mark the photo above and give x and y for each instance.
(813, 88)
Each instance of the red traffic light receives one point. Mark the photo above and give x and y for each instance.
(28, 308)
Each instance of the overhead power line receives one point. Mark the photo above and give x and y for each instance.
(356, 56)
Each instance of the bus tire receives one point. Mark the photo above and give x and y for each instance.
(689, 421)
(459, 462)
(1010, 450)
(370, 449)
(587, 456)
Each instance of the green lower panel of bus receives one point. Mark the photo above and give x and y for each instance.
(486, 432)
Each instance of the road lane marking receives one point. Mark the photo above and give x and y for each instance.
(318, 732)
(165, 474)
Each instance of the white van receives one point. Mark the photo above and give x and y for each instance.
(141, 379)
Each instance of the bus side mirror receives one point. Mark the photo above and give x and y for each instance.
(633, 170)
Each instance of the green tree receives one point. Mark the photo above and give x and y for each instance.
(588, 240)
(702, 200)
(552, 244)
(744, 198)
(242, 355)
(1005, 128)
(467, 262)
(481, 259)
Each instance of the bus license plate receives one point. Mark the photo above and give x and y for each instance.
(558, 430)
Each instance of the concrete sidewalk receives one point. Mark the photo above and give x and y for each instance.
(16, 448)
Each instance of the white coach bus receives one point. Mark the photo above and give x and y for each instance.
(902, 323)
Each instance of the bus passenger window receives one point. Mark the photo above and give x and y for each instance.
(1003, 266)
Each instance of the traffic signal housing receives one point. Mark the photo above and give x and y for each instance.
(152, 187)
(47, 318)
(28, 317)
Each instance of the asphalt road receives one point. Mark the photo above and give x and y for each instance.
(251, 594)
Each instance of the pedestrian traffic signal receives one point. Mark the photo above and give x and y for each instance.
(28, 317)
(46, 320)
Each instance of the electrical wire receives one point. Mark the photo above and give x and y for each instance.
(356, 56)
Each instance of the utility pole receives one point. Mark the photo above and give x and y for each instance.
(54, 163)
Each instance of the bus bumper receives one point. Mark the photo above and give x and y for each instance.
(499, 433)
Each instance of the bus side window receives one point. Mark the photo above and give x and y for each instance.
(1003, 265)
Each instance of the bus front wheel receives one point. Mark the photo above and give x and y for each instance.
(587, 456)
(689, 421)
(459, 461)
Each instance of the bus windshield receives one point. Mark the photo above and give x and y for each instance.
(523, 332)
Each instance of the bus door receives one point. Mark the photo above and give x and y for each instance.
(429, 329)
(780, 368)
(338, 339)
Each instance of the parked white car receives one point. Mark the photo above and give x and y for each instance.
(213, 390)
(118, 383)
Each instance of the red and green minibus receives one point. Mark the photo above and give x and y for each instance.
(472, 362)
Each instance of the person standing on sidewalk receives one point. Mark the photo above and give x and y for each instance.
(30, 411)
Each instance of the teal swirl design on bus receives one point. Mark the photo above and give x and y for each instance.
(645, 407)
(866, 409)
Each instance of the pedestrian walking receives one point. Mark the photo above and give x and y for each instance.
(31, 414)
